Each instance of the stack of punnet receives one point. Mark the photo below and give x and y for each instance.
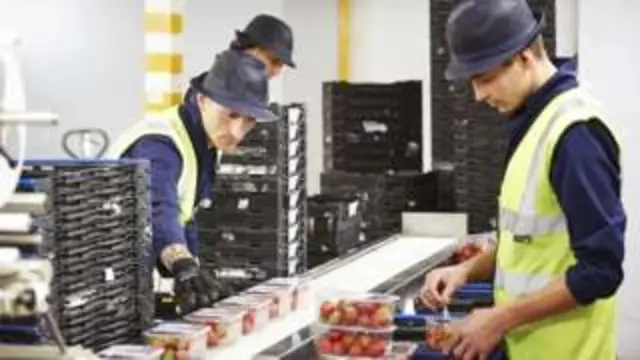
(355, 325)
(228, 320)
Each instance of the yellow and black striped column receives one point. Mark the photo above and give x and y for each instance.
(163, 26)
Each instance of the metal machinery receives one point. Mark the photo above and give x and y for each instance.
(25, 274)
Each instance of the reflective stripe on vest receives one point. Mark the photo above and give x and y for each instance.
(167, 123)
(516, 284)
(530, 225)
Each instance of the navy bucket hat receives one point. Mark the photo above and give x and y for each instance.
(237, 82)
(271, 33)
(482, 34)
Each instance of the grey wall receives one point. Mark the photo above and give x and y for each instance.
(82, 59)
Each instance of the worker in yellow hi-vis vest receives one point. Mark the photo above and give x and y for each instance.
(558, 262)
(181, 144)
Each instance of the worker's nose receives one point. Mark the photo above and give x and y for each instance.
(274, 70)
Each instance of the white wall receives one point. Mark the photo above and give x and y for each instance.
(566, 27)
(210, 27)
(81, 59)
(609, 49)
(315, 30)
(391, 43)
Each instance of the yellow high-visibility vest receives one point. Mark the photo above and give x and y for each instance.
(167, 123)
(534, 246)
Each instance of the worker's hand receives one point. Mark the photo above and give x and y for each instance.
(194, 288)
(476, 336)
(440, 284)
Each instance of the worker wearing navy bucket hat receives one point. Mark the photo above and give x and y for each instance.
(181, 144)
(557, 265)
(268, 39)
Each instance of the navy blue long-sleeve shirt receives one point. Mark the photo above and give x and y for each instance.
(165, 169)
(585, 175)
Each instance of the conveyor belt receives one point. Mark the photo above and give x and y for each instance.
(360, 273)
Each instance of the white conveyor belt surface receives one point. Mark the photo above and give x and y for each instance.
(360, 275)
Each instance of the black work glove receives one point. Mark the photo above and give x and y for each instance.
(194, 288)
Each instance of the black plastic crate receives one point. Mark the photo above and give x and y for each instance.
(280, 256)
(249, 183)
(383, 118)
(243, 201)
(259, 220)
(328, 238)
(220, 236)
(334, 223)
(255, 267)
(262, 163)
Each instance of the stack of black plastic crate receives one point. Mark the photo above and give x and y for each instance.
(256, 227)
(334, 226)
(384, 197)
(96, 225)
(468, 137)
(373, 148)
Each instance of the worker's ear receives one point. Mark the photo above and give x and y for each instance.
(200, 100)
(527, 56)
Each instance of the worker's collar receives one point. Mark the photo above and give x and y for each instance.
(190, 114)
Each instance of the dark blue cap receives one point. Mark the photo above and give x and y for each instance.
(271, 33)
(482, 34)
(237, 82)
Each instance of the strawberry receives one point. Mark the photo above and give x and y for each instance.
(376, 349)
(365, 321)
(365, 341)
(382, 317)
(356, 350)
(335, 318)
(436, 336)
(338, 349)
(335, 335)
(348, 340)
(350, 315)
(325, 346)
(326, 309)
(248, 323)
